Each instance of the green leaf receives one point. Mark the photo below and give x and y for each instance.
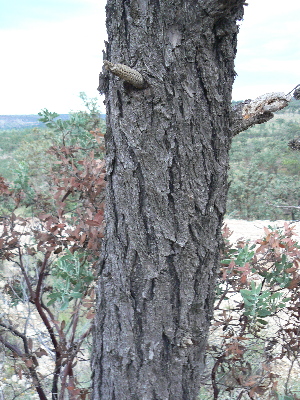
(76, 295)
(263, 313)
(262, 321)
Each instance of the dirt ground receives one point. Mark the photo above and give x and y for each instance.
(254, 229)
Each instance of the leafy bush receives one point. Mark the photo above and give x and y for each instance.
(256, 329)
(50, 236)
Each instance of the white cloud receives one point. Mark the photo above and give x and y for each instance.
(47, 65)
(268, 57)
(261, 65)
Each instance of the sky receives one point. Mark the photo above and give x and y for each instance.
(51, 50)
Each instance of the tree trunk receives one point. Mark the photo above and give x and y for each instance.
(167, 160)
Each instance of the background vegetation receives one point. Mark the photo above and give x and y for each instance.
(263, 173)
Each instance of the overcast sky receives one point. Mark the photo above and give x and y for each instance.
(52, 49)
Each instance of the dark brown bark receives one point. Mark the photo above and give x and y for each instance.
(167, 160)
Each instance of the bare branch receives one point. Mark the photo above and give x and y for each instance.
(11, 347)
(41, 275)
(31, 368)
(252, 112)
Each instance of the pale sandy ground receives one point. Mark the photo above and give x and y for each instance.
(254, 229)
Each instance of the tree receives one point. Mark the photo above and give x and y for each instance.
(169, 129)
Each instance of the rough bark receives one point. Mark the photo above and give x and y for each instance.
(167, 160)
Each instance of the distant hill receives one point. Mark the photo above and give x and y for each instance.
(31, 121)
(25, 121)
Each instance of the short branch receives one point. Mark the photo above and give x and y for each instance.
(252, 112)
(11, 347)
